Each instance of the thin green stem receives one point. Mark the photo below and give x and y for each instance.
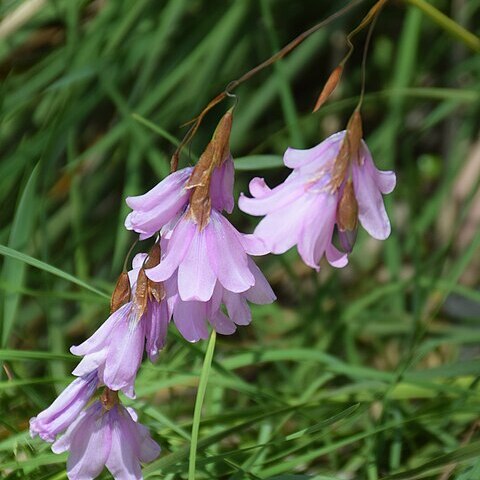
(445, 22)
(197, 414)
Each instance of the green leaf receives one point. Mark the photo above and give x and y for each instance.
(197, 414)
(34, 262)
(13, 273)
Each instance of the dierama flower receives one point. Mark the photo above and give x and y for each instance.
(116, 348)
(156, 208)
(332, 186)
(65, 409)
(191, 317)
(107, 434)
(204, 251)
(203, 255)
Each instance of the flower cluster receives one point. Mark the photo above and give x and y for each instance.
(332, 186)
(200, 272)
(106, 433)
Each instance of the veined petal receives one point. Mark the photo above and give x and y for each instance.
(149, 449)
(261, 293)
(222, 324)
(62, 444)
(89, 445)
(371, 209)
(156, 322)
(196, 279)
(258, 188)
(280, 230)
(124, 356)
(314, 157)
(277, 198)
(221, 186)
(65, 409)
(101, 337)
(90, 362)
(122, 461)
(177, 248)
(385, 180)
(317, 229)
(190, 319)
(237, 307)
(336, 258)
(253, 245)
(171, 185)
(227, 255)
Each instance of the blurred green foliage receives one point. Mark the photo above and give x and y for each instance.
(368, 372)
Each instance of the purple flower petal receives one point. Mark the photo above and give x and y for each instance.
(316, 157)
(124, 356)
(221, 186)
(316, 232)
(227, 255)
(277, 198)
(196, 278)
(89, 445)
(98, 340)
(237, 307)
(91, 362)
(149, 449)
(253, 245)
(65, 409)
(261, 293)
(190, 319)
(281, 229)
(177, 248)
(385, 180)
(156, 320)
(258, 188)
(222, 324)
(122, 461)
(160, 205)
(371, 209)
(336, 258)
(168, 186)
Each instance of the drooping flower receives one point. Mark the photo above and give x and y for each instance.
(154, 209)
(206, 265)
(205, 255)
(331, 186)
(106, 436)
(115, 350)
(65, 409)
(191, 317)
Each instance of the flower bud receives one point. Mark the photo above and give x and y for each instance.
(329, 87)
(347, 210)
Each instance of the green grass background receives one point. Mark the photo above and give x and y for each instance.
(370, 372)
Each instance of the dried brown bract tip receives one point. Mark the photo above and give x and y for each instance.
(349, 150)
(121, 293)
(341, 164)
(216, 152)
(155, 290)
(329, 87)
(355, 135)
(347, 209)
(154, 256)
(141, 293)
